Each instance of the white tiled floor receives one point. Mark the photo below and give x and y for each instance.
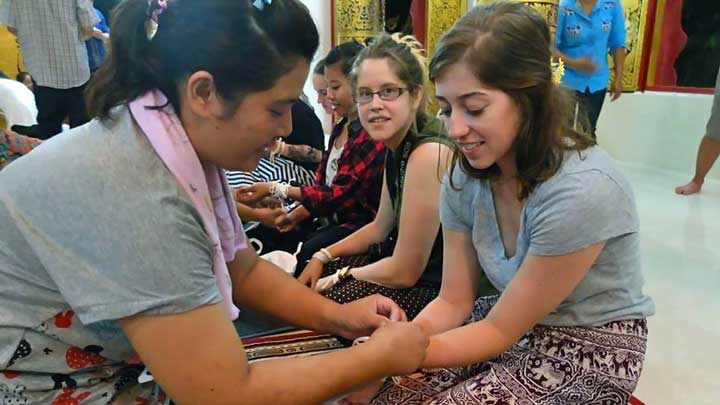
(681, 260)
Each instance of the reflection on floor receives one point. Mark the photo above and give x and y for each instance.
(681, 262)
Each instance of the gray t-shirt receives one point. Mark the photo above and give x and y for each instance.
(95, 228)
(586, 202)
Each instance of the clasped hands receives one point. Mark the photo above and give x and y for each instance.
(269, 209)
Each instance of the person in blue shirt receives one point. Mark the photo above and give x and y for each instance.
(586, 31)
(96, 44)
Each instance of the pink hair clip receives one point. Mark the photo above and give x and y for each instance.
(155, 8)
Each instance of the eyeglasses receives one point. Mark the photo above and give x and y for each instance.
(365, 95)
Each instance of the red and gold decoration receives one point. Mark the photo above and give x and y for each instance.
(357, 19)
(360, 19)
(635, 22)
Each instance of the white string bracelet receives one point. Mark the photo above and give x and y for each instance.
(360, 340)
(276, 150)
(279, 190)
(281, 148)
(323, 255)
(328, 254)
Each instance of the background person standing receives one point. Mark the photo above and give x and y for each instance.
(52, 37)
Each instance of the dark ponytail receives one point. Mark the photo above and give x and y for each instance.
(290, 27)
(221, 37)
(124, 75)
(345, 55)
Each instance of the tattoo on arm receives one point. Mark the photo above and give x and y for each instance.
(302, 153)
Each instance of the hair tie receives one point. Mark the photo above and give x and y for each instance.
(155, 8)
(261, 4)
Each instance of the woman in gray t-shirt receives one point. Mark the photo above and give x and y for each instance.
(120, 248)
(535, 209)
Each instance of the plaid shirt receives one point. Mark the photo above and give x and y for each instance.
(354, 196)
(50, 35)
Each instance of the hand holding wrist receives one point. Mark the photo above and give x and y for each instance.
(323, 255)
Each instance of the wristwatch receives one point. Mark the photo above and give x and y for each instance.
(344, 273)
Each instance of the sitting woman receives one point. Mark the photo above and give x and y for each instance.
(14, 145)
(389, 81)
(119, 243)
(320, 86)
(293, 160)
(17, 105)
(26, 79)
(541, 212)
(347, 186)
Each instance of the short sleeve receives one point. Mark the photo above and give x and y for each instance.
(162, 267)
(560, 28)
(712, 128)
(454, 215)
(577, 211)
(617, 33)
(86, 14)
(117, 244)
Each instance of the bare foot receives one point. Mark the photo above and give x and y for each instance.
(363, 396)
(690, 188)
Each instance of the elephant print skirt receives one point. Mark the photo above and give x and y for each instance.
(549, 365)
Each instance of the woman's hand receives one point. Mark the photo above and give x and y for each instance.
(326, 283)
(288, 222)
(268, 216)
(362, 317)
(405, 343)
(252, 194)
(269, 202)
(311, 274)
(616, 89)
(585, 64)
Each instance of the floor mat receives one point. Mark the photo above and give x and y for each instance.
(296, 343)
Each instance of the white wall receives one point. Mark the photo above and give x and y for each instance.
(660, 130)
(320, 11)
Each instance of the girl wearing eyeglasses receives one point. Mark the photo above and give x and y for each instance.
(346, 193)
(389, 79)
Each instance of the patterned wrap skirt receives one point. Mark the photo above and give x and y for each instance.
(549, 366)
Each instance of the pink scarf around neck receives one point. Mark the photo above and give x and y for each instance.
(204, 182)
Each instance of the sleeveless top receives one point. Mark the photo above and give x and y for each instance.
(430, 130)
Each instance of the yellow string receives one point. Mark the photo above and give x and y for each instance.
(558, 71)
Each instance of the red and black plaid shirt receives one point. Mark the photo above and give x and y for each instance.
(354, 195)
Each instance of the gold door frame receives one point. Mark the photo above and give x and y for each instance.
(635, 26)
(441, 15)
(359, 19)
